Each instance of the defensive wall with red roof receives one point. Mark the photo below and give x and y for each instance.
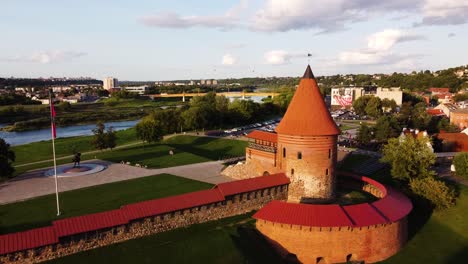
(64, 228)
(339, 233)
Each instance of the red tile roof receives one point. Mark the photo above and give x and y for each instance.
(252, 184)
(435, 112)
(364, 215)
(459, 141)
(307, 114)
(392, 207)
(33, 238)
(262, 135)
(170, 204)
(439, 90)
(304, 214)
(90, 222)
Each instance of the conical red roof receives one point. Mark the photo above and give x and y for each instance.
(307, 114)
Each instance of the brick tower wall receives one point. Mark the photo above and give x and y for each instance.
(310, 163)
(338, 244)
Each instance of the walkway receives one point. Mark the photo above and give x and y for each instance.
(33, 184)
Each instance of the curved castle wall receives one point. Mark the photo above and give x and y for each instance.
(338, 244)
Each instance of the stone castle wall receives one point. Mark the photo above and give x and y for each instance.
(338, 245)
(310, 164)
(233, 205)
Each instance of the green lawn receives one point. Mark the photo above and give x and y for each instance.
(442, 239)
(64, 146)
(352, 160)
(187, 150)
(228, 241)
(42, 210)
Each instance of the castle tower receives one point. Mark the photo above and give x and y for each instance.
(307, 144)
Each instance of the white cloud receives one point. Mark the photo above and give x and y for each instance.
(322, 15)
(446, 12)
(330, 15)
(386, 39)
(279, 57)
(229, 20)
(229, 59)
(379, 49)
(50, 56)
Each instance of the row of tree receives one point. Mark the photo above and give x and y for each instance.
(204, 112)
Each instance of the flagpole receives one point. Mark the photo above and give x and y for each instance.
(53, 151)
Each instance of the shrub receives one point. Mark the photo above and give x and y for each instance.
(435, 191)
(460, 161)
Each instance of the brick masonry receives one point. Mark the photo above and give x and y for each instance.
(337, 244)
(233, 205)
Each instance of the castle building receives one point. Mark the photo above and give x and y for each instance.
(304, 146)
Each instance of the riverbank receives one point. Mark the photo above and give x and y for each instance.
(33, 117)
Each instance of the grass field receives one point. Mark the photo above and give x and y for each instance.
(64, 146)
(187, 150)
(442, 239)
(226, 241)
(41, 211)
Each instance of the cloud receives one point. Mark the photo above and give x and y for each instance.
(229, 20)
(229, 59)
(327, 16)
(280, 57)
(447, 12)
(379, 49)
(50, 56)
(451, 35)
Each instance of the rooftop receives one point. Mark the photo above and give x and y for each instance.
(262, 135)
(307, 114)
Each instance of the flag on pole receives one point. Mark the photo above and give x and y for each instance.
(52, 118)
(54, 135)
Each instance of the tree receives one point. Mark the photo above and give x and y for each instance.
(435, 191)
(99, 140)
(409, 157)
(389, 105)
(364, 135)
(360, 104)
(110, 138)
(149, 130)
(386, 127)
(460, 161)
(7, 157)
(374, 107)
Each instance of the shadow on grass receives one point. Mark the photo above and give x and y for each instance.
(259, 249)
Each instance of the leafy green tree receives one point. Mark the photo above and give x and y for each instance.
(360, 104)
(460, 161)
(149, 130)
(389, 105)
(110, 138)
(386, 127)
(196, 117)
(435, 191)
(99, 140)
(7, 157)
(364, 134)
(374, 107)
(409, 157)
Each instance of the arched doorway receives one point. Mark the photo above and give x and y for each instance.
(266, 173)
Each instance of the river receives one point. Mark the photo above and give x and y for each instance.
(19, 138)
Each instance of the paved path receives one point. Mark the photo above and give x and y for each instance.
(33, 184)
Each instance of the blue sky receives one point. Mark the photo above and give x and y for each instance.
(165, 40)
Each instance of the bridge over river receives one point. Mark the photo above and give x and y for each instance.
(243, 95)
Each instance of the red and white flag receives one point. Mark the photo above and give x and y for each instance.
(52, 118)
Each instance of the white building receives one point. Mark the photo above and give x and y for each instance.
(345, 96)
(394, 93)
(137, 89)
(110, 82)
